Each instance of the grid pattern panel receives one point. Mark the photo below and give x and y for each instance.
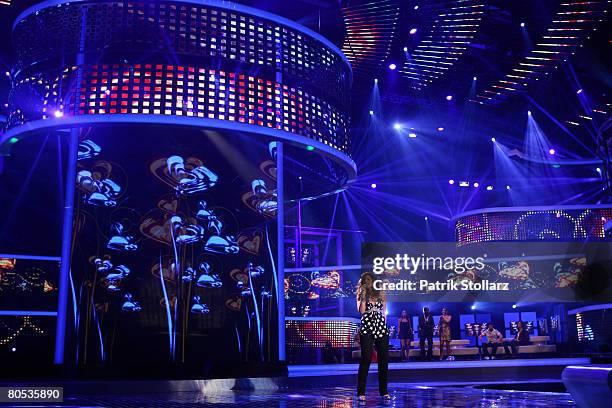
(315, 333)
(545, 225)
(182, 29)
(178, 90)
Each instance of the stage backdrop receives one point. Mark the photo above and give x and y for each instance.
(173, 248)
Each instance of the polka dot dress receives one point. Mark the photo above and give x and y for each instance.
(374, 322)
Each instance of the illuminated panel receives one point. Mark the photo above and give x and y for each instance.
(572, 22)
(304, 333)
(562, 224)
(452, 29)
(240, 65)
(370, 29)
(160, 89)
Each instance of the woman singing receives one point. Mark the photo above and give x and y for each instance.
(373, 332)
(405, 334)
(445, 334)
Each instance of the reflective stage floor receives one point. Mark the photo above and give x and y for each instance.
(403, 395)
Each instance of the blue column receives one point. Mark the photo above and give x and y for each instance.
(280, 215)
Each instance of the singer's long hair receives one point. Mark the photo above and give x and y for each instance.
(370, 292)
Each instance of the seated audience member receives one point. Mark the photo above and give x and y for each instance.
(494, 339)
(521, 338)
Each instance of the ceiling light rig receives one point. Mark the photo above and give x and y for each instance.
(370, 30)
(451, 31)
(571, 24)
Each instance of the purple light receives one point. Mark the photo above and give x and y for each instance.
(392, 67)
(522, 24)
(13, 349)
(551, 151)
(440, 129)
(449, 97)
(413, 31)
(373, 185)
(451, 181)
(476, 185)
(58, 114)
(579, 91)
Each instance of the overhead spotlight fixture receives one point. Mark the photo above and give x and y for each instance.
(371, 112)
(514, 306)
(529, 112)
(392, 66)
(507, 187)
(397, 126)
(473, 307)
(451, 181)
(449, 97)
(412, 135)
(493, 139)
(598, 170)
(489, 188)
(476, 185)
(13, 349)
(522, 24)
(474, 78)
(373, 185)
(426, 218)
(405, 49)
(464, 184)
(579, 91)
(440, 129)
(551, 151)
(416, 7)
(375, 80)
(413, 31)
(58, 114)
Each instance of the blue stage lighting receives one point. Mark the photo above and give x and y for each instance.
(551, 151)
(413, 31)
(529, 112)
(426, 218)
(507, 187)
(464, 184)
(514, 306)
(449, 97)
(373, 185)
(451, 181)
(440, 129)
(371, 112)
(13, 349)
(522, 24)
(473, 307)
(375, 80)
(412, 135)
(493, 139)
(405, 49)
(579, 91)
(58, 114)
(476, 185)
(474, 78)
(416, 7)
(397, 126)
(392, 66)
(489, 188)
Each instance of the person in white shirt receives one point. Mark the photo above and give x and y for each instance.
(493, 339)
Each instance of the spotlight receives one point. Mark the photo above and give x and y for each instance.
(464, 184)
(522, 24)
(514, 306)
(493, 139)
(598, 170)
(375, 80)
(474, 78)
(8, 74)
(416, 7)
(13, 349)
(405, 49)
(449, 97)
(551, 151)
(371, 112)
(397, 126)
(412, 135)
(473, 307)
(451, 181)
(58, 114)
(579, 91)
(413, 31)
(392, 67)
(489, 188)
(300, 177)
(373, 185)
(426, 218)
(529, 112)
(507, 187)
(440, 129)
(476, 185)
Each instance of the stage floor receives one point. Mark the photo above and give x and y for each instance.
(403, 395)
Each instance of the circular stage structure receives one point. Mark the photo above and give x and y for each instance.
(189, 124)
(198, 64)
